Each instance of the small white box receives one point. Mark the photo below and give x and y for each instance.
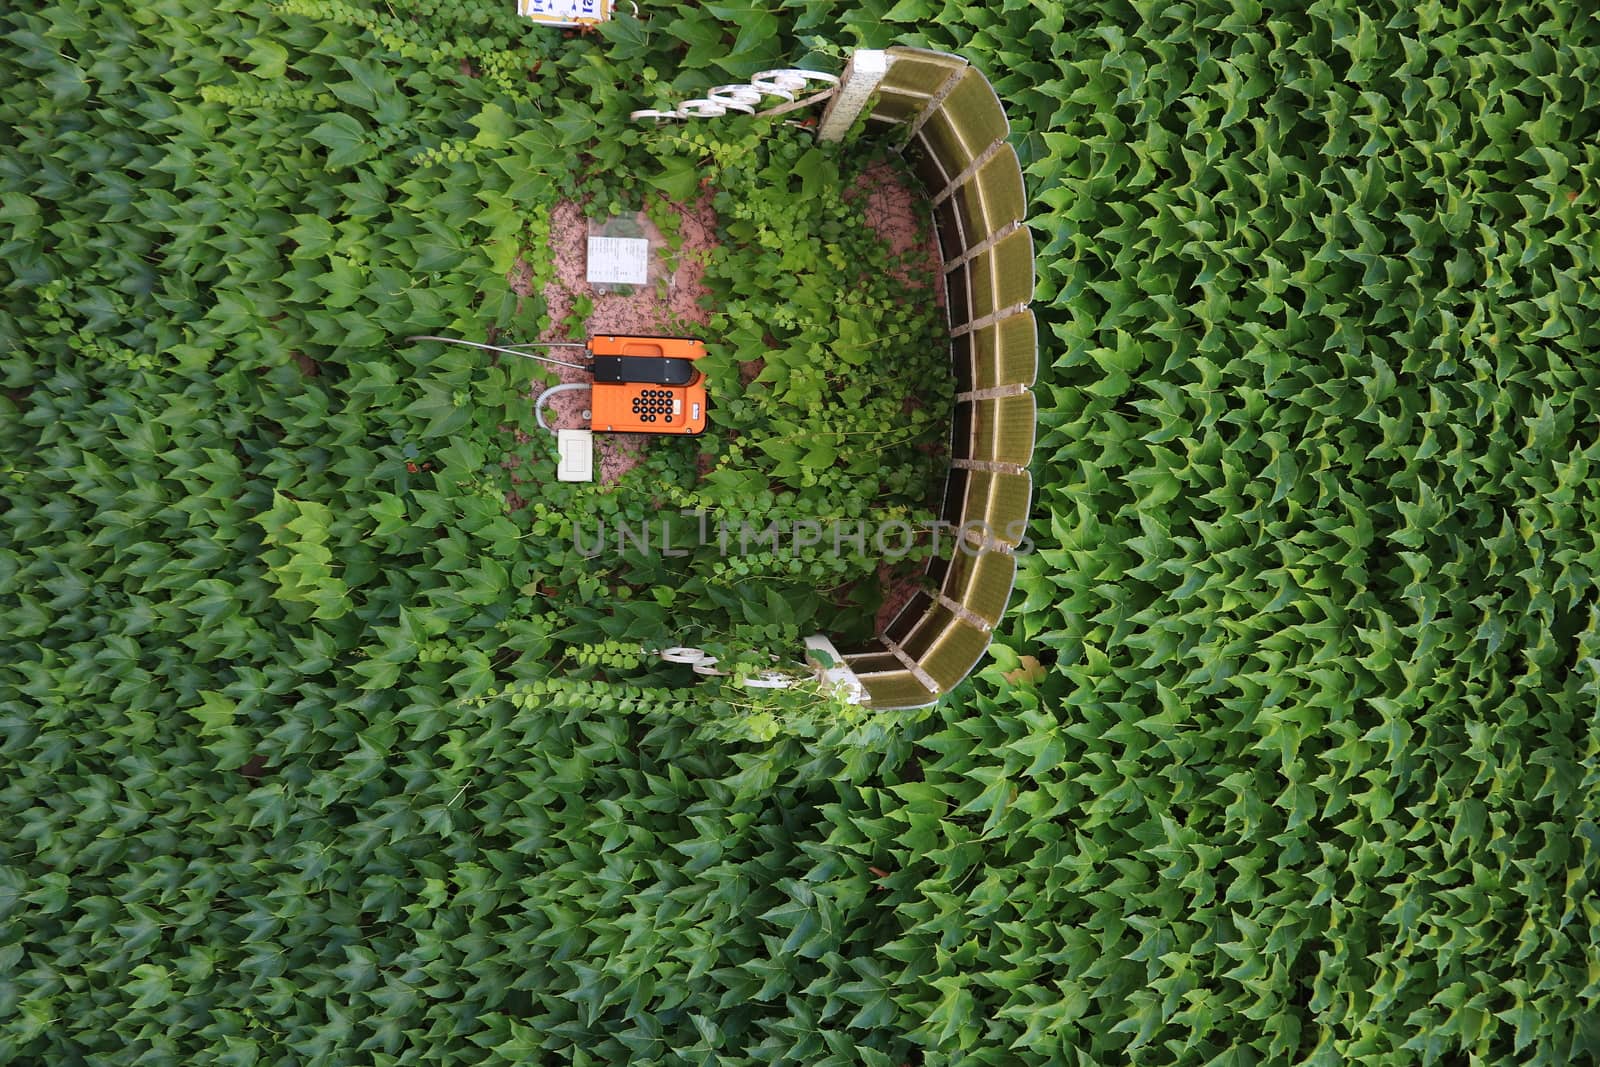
(619, 260)
(577, 455)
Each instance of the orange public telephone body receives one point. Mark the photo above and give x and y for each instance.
(647, 385)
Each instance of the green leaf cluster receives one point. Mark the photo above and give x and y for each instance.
(316, 748)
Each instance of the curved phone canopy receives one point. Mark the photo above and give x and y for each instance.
(955, 134)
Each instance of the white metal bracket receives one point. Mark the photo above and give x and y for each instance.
(861, 76)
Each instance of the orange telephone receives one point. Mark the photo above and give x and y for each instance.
(647, 385)
(641, 384)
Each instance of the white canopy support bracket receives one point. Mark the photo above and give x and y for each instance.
(861, 76)
(839, 677)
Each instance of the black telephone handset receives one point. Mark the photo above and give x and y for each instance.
(645, 370)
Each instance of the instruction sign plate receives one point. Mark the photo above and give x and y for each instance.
(565, 12)
(619, 260)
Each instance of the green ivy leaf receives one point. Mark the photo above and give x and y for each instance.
(495, 127)
(345, 140)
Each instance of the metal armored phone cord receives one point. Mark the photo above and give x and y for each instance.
(538, 404)
(513, 351)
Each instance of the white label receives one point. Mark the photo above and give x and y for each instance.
(619, 260)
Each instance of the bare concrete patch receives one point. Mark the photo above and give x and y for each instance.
(899, 214)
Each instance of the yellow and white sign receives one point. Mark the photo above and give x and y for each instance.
(566, 12)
